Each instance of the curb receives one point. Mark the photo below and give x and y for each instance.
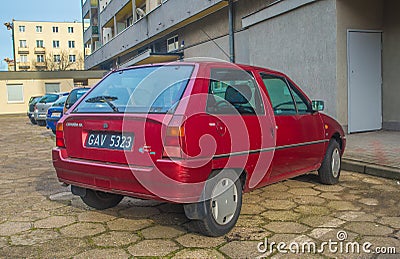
(371, 169)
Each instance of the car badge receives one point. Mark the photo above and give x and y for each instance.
(105, 126)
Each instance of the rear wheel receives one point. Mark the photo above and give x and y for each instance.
(223, 202)
(329, 171)
(101, 200)
(33, 121)
(41, 123)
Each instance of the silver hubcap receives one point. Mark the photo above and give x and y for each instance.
(224, 201)
(335, 163)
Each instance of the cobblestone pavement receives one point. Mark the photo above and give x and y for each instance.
(41, 219)
(379, 148)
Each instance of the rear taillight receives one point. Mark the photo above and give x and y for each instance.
(35, 107)
(60, 135)
(173, 137)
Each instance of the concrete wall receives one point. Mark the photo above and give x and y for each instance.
(391, 65)
(352, 14)
(302, 44)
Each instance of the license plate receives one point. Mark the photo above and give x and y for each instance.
(56, 114)
(110, 140)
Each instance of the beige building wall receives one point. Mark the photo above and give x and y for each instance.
(352, 14)
(68, 37)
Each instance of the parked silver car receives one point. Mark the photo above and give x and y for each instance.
(44, 104)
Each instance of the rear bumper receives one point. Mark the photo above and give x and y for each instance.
(165, 181)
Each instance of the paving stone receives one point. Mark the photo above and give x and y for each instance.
(10, 228)
(115, 238)
(252, 198)
(252, 209)
(310, 200)
(3, 242)
(241, 249)
(369, 201)
(278, 204)
(82, 229)
(393, 222)
(312, 210)
(129, 202)
(129, 224)
(246, 234)
(330, 196)
(342, 205)
(321, 221)
(250, 221)
(103, 253)
(328, 188)
(355, 216)
(334, 234)
(161, 232)
(62, 248)
(276, 195)
(34, 237)
(29, 215)
(286, 227)
(298, 184)
(94, 216)
(372, 181)
(277, 187)
(153, 248)
(281, 215)
(195, 240)
(198, 253)
(55, 222)
(368, 228)
(384, 242)
(139, 212)
(304, 192)
(174, 219)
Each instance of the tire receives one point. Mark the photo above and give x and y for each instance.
(101, 200)
(41, 123)
(223, 202)
(329, 172)
(33, 121)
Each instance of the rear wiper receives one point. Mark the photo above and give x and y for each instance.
(104, 99)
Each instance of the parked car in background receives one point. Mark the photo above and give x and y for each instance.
(41, 107)
(31, 108)
(198, 134)
(54, 113)
(74, 96)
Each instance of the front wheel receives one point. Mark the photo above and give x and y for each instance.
(101, 200)
(41, 123)
(223, 202)
(33, 121)
(329, 171)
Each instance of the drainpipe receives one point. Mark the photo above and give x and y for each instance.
(231, 32)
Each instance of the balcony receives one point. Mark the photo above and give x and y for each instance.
(157, 23)
(87, 5)
(23, 50)
(40, 64)
(40, 50)
(111, 9)
(24, 65)
(92, 31)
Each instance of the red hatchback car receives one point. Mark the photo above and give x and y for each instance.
(198, 133)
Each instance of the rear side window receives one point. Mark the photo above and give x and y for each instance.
(233, 91)
(49, 98)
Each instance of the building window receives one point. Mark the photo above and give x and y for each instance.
(21, 28)
(52, 87)
(39, 44)
(15, 93)
(39, 28)
(57, 58)
(40, 58)
(22, 43)
(72, 58)
(55, 29)
(56, 44)
(23, 58)
(173, 44)
(70, 29)
(71, 44)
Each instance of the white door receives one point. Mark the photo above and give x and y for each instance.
(365, 81)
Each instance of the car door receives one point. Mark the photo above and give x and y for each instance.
(240, 124)
(300, 134)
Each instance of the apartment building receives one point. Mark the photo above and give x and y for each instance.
(48, 45)
(342, 51)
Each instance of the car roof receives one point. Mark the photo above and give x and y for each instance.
(202, 63)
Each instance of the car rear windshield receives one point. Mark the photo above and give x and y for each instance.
(75, 95)
(60, 102)
(155, 89)
(49, 98)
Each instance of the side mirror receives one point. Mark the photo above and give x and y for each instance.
(318, 106)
